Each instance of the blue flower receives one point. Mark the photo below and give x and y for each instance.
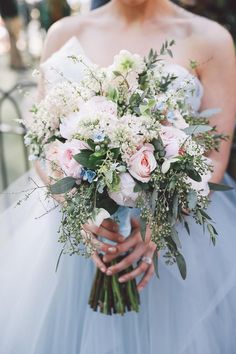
(98, 137)
(159, 106)
(171, 116)
(88, 175)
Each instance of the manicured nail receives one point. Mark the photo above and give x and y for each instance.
(112, 249)
(121, 280)
(109, 272)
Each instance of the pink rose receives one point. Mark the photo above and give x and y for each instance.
(67, 163)
(126, 196)
(52, 163)
(172, 139)
(142, 163)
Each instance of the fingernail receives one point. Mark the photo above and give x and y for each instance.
(112, 249)
(121, 239)
(140, 289)
(109, 272)
(103, 270)
(121, 280)
(104, 259)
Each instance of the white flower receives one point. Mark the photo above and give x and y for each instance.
(125, 62)
(126, 196)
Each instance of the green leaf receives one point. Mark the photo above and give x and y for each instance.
(138, 188)
(63, 185)
(194, 175)
(192, 199)
(117, 73)
(143, 227)
(187, 227)
(105, 202)
(219, 187)
(88, 159)
(175, 206)
(175, 237)
(155, 262)
(181, 265)
(209, 113)
(197, 129)
(205, 215)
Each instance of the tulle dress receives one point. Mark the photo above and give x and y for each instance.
(46, 312)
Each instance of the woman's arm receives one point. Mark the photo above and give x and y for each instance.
(218, 77)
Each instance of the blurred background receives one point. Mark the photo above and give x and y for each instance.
(23, 26)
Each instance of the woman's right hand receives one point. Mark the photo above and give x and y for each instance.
(109, 230)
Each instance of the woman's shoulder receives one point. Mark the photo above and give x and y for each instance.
(209, 33)
(61, 31)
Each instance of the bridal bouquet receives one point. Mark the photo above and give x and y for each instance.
(124, 136)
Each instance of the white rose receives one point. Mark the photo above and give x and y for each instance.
(126, 196)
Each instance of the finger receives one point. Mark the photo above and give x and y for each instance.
(98, 262)
(123, 247)
(146, 278)
(128, 260)
(101, 231)
(110, 225)
(103, 247)
(142, 268)
(135, 224)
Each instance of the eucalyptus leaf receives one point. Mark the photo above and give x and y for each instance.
(175, 237)
(155, 262)
(143, 227)
(181, 265)
(209, 112)
(64, 185)
(187, 227)
(197, 129)
(175, 206)
(219, 187)
(192, 199)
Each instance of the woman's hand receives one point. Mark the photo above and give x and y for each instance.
(109, 230)
(140, 249)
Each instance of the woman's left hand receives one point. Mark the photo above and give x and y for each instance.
(140, 249)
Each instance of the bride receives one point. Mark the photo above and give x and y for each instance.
(46, 312)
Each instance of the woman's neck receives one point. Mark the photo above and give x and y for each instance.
(147, 10)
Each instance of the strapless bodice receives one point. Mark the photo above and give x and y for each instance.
(58, 67)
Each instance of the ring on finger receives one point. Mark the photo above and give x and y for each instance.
(147, 260)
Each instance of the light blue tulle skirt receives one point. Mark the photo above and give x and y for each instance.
(46, 312)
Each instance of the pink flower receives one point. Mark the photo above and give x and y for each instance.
(98, 104)
(67, 163)
(52, 163)
(142, 163)
(172, 139)
(126, 196)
